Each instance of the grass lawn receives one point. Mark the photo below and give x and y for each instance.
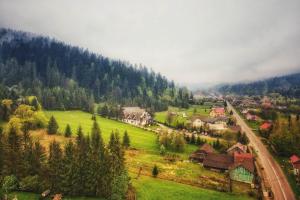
(146, 154)
(191, 111)
(149, 188)
(140, 138)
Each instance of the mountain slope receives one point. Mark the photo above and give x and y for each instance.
(288, 85)
(65, 77)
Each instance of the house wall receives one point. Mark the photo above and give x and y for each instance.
(241, 174)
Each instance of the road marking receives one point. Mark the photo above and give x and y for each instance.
(255, 143)
(277, 177)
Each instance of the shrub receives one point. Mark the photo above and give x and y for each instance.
(10, 183)
(162, 150)
(155, 171)
(30, 184)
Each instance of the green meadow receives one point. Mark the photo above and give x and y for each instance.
(183, 114)
(149, 188)
(140, 138)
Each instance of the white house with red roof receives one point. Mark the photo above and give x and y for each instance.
(217, 112)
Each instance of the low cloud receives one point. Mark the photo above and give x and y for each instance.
(192, 42)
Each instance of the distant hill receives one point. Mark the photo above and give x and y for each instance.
(288, 85)
(68, 77)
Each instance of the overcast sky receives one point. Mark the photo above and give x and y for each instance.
(192, 42)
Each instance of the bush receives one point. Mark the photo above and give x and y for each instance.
(155, 171)
(10, 183)
(30, 184)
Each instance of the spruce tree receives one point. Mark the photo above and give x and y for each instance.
(13, 163)
(39, 158)
(1, 152)
(68, 131)
(55, 166)
(155, 171)
(117, 153)
(68, 171)
(52, 126)
(126, 140)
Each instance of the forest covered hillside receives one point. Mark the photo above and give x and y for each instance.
(288, 85)
(68, 77)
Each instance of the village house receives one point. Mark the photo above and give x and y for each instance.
(237, 148)
(295, 162)
(216, 124)
(243, 168)
(136, 116)
(265, 126)
(197, 123)
(217, 112)
(250, 117)
(200, 154)
(218, 162)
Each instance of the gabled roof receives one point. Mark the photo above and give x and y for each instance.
(238, 145)
(245, 160)
(265, 126)
(248, 165)
(207, 148)
(241, 157)
(218, 161)
(294, 159)
(219, 110)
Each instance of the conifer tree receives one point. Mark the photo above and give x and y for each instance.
(52, 126)
(126, 140)
(68, 169)
(39, 158)
(55, 166)
(155, 171)
(1, 152)
(13, 161)
(68, 131)
(117, 153)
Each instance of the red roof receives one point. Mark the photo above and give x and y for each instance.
(294, 159)
(219, 110)
(266, 126)
(241, 157)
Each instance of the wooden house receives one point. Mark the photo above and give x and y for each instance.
(237, 148)
(243, 168)
(136, 116)
(218, 162)
(200, 154)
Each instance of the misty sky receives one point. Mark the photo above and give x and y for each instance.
(192, 42)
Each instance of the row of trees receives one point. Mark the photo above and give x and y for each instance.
(84, 167)
(285, 136)
(172, 141)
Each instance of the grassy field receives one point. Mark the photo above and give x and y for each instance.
(146, 155)
(140, 138)
(191, 111)
(149, 188)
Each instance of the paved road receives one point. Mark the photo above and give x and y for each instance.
(275, 176)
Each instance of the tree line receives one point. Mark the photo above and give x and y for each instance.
(85, 166)
(67, 77)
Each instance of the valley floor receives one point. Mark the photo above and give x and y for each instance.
(175, 180)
